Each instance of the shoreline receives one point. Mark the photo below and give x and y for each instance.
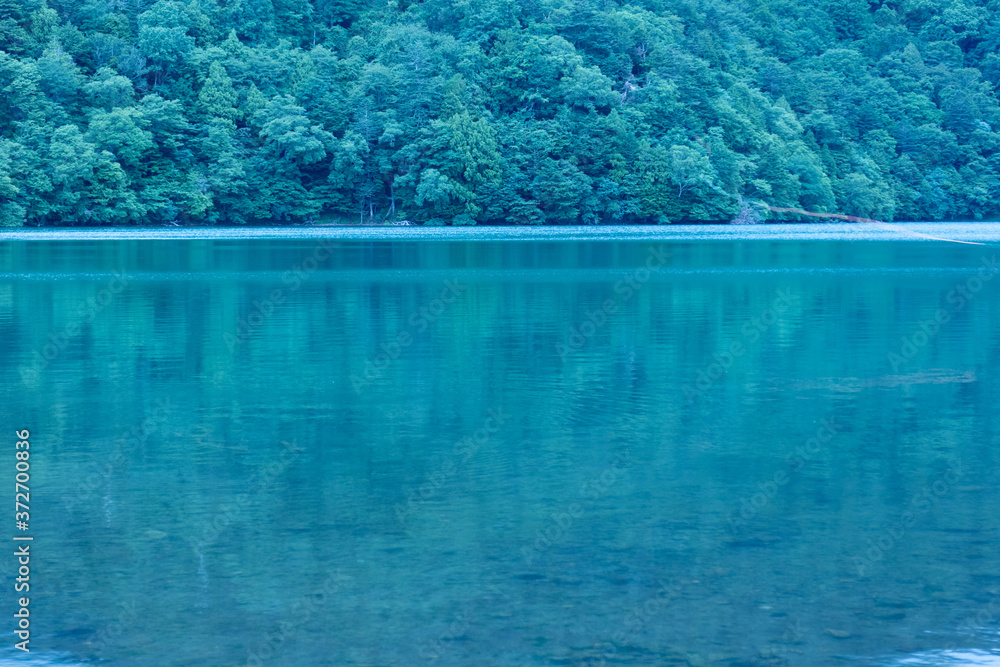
(966, 232)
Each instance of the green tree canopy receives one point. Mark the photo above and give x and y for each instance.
(527, 112)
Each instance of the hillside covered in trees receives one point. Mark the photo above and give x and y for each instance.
(122, 112)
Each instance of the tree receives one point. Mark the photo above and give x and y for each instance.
(352, 187)
(20, 93)
(164, 38)
(474, 143)
(88, 186)
(12, 26)
(122, 132)
(217, 97)
(12, 213)
(59, 76)
(108, 90)
(862, 196)
(289, 137)
(689, 169)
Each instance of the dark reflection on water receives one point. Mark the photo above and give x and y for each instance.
(526, 454)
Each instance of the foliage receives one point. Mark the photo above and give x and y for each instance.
(521, 112)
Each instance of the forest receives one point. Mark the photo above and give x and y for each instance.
(251, 112)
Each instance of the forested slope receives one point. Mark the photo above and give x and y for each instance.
(117, 112)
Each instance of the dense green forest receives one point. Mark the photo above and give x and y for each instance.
(121, 112)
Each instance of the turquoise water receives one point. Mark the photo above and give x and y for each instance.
(567, 447)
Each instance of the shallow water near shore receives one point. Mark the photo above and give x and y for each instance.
(332, 448)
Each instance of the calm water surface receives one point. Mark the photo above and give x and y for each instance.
(643, 452)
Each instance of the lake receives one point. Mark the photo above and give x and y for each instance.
(558, 446)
